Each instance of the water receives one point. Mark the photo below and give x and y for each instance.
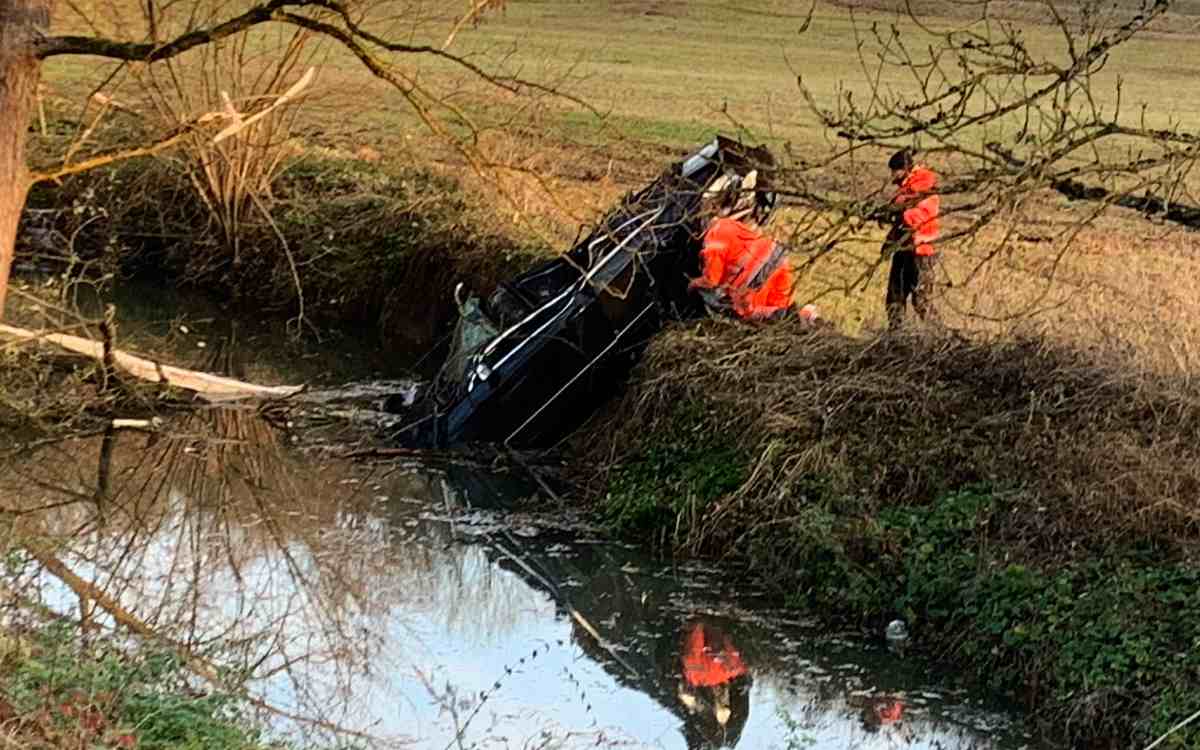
(402, 605)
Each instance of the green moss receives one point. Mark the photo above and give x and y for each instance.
(681, 470)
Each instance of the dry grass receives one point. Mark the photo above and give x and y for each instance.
(1123, 283)
(1096, 451)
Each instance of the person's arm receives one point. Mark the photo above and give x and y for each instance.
(713, 259)
(917, 216)
(892, 212)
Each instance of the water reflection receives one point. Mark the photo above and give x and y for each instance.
(714, 687)
(390, 603)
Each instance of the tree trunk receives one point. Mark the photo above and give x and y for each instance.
(21, 21)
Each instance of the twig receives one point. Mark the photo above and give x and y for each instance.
(102, 160)
(1173, 730)
(536, 477)
(137, 424)
(239, 124)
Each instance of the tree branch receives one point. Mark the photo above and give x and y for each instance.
(53, 46)
(409, 89)
(102, 160)
(512, 84)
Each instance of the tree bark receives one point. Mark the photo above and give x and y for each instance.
(22, 24)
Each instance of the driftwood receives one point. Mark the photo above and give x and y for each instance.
(213, 388)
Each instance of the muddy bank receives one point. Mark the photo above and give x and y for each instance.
(1028, 509)
(370, 244)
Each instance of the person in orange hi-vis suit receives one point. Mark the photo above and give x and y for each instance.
(744, 271)
(913, 216)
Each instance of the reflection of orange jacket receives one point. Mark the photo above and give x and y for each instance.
(704, 665)
(748, 266)
(890, 711)
(921, 218)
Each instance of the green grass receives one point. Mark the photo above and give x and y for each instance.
(1111, 642)
(691, 466)
(101, 695)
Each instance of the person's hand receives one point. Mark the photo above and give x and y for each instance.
(889, 214)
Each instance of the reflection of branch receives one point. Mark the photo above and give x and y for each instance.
(575, 613)
(86, 591)
(447, 702)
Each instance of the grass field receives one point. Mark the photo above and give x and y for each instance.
(660, 76)
(673, 72)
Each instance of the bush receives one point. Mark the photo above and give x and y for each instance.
(366, 243)
(683, 471)
(1029, 509)
(60, 693)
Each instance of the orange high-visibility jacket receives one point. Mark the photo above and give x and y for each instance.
(749, 267)
(706, 664)
(921, 219)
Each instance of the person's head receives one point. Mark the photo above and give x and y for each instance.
(901, 164)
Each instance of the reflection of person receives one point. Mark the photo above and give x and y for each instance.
(744, 271)
(714, 687)
(913, 215)
(885, 713)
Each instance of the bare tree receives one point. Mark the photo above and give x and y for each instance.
(1010, 120)
(166, 30)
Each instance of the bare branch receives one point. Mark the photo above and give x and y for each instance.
(53, 46)
(112, 157)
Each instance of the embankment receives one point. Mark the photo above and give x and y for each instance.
(1029, 509)
(372, 244)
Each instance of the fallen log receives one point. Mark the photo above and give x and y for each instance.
(212, 388)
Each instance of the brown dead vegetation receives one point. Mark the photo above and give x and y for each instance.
(1095, 451)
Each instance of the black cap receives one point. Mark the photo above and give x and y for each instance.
(902, 159)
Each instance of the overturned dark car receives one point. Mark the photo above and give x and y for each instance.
(531, 361)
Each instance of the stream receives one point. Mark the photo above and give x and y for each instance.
(393, 603)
